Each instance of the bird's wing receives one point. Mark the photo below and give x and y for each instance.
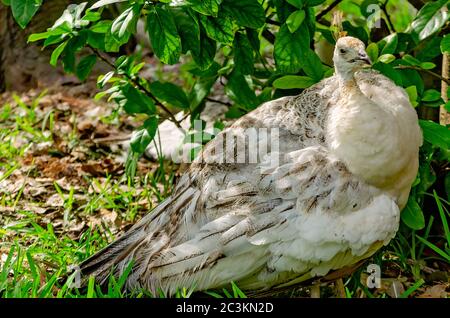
(266, 228)
(381, 89)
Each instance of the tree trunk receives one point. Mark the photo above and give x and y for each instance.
(25, 65)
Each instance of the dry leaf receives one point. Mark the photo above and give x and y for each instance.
(436, 291)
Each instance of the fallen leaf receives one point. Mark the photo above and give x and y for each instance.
(436, 291)
(55, 200)
(396, 289)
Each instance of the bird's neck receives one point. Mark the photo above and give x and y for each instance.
(348, 85)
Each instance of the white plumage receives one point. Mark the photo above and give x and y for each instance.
(347, 156)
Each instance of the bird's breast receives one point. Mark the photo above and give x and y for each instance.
(376, 144)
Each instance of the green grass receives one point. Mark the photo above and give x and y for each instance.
(39, 246)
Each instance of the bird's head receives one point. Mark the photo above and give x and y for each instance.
(350, 56)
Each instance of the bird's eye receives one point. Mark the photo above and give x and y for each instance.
(342, 51)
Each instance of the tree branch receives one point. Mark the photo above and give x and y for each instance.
(388, 18)
(269, 36)
(410, 67)
(218, 101)
(321, 14)
(273, 22)
(140, 86)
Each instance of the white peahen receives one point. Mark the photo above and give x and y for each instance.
(347, 156)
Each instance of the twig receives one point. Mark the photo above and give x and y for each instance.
(388, 18)
(140, 86)
(268, 36)
(111, 139)
(218, 101)
(411, 67)
(273, 22)
(328, 9)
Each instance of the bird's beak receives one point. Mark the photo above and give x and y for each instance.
(365, 58)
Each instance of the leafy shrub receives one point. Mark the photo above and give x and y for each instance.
(259, 50)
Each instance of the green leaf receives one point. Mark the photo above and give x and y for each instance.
(74, 45)
(254, 39)
(429, 49)
(447, 106)
(204, 56)
(295, 19)
(170, 93)
(386, 58)
(112, 44)
(101, 26)
(445, 44)
(293, 81)
(412, 215)
(356, 31)
(54, 39)
(201, 90)
(135, 102)
(92, 16)
(435, 134)
(247, 13)
(243, 54)
(289, 48)
(126, 21)
(431, 95)
(164, 36)
(85, 66)
(96, 40)
(194, 38)
(24, 10)
(426, 175)
(220, 29)
(142, 137)
(312, 65)
(206, 7)
(313, 3)
(411, 60)
(372, 51)
(296, 3)
(283, 10)
(188, 29)
(412, 93)
(431, 17)
(427, 65)
(240, 92)
(408, 78)
(38, 36)
(389, 44)
(56, 53)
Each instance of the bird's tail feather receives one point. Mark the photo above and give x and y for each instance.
(114, 257)
(103, 263)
